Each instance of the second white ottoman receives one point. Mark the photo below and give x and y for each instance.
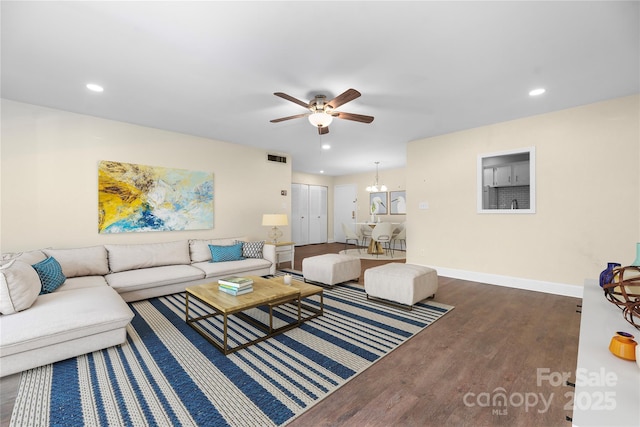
(330, 269)
(401, 283)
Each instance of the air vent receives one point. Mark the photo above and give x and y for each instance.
(277, 159)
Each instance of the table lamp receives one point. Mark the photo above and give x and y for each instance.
(273, 221)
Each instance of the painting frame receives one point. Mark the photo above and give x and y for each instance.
(380, 206)
(140, 198)
(398, 202)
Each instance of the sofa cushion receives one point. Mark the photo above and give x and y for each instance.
(50, 273)
(91, 261)
(82, 282)
(131, 257)
(226, 253)
(252, 249)
(62, 316)
(19, 286)
(30, 257)
(131, 280)
(244, 267)
(199, 248)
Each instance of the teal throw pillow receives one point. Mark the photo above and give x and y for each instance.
(226, 253)
(50, 273)
(252, 249)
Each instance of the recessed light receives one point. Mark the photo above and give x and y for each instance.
(95, 88)
(321, 171)
(536, 92)
(326, 146)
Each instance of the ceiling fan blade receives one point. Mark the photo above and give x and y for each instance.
(343, 98)
(282, 119)
(292, 99)
(323, 130)
(355, 117)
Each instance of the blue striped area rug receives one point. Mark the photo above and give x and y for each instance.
(167, 374)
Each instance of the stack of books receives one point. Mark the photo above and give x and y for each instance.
(235, 285)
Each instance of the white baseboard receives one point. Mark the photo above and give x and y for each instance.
(512, 282)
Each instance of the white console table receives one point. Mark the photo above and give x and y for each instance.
(599, 399)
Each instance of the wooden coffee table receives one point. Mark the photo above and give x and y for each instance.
(266, 292)
(306, 290)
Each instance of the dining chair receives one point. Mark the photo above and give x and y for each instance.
(382, 233)
(365, 231)
(401, 237)
(349, 234)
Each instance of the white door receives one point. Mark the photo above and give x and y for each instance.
(317, 214)
(345, 201)
(300, 214)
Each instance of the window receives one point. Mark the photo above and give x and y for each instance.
(506, 182)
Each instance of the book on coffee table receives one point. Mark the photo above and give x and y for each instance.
(235, 292)
(235, 281)
(234, 288)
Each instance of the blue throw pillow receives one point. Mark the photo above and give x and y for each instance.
(226, 253)
(50, 273)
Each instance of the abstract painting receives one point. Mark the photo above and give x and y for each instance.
(137, 198)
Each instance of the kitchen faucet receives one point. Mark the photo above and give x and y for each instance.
(514, 204)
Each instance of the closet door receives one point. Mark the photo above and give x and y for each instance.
(300, 214)
(317, 214)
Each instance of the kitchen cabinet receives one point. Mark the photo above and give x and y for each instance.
(502, 176)
(499, 176)
(507, 175)
(520, 174)
(487, 178)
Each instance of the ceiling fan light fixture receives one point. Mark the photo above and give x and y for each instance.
(321, 112)
(320, 119)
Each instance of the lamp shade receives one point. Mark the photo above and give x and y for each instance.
(274, 219)
(320, 119)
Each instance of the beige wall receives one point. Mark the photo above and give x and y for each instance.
(394, 179)
(588, 189)
(588, 197)
(49, 178)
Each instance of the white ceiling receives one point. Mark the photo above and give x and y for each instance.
(423, 68)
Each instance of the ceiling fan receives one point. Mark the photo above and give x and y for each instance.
(321, 112)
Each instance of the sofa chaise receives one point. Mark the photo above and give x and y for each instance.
(88, 312)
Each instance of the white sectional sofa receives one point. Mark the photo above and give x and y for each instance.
(88, 312)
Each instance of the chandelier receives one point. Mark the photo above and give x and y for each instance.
(375, 187)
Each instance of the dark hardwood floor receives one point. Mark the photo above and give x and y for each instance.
(454, 372)
(491, 345)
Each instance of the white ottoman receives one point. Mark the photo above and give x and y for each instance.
(401, 283)
(330, 269)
